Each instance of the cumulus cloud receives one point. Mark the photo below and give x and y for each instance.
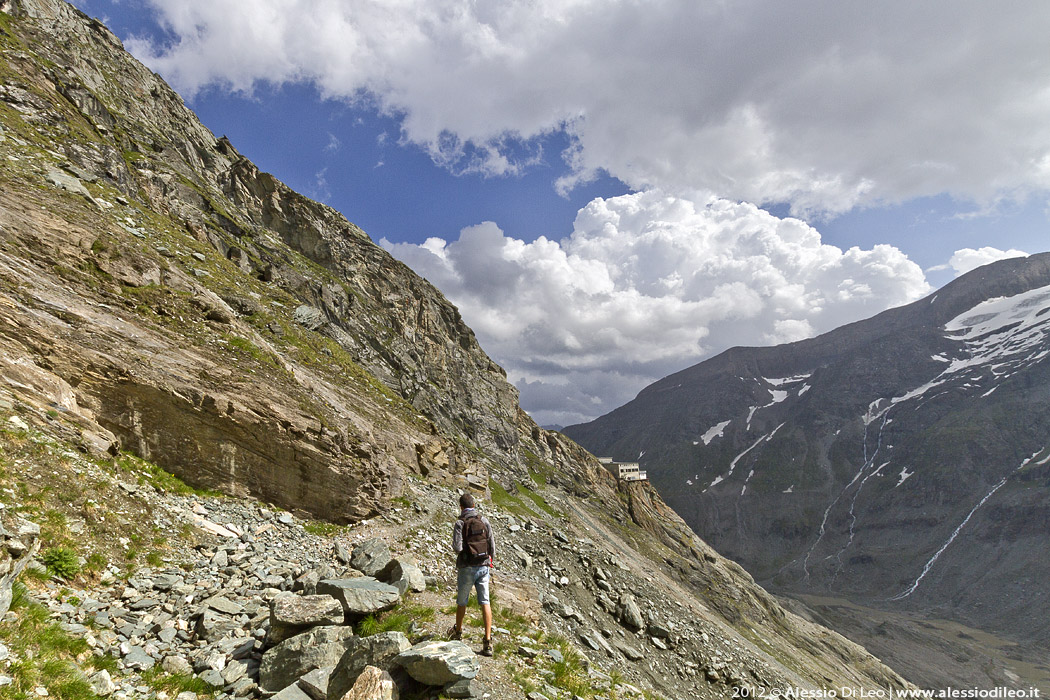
(966, 259)
(647, 284)
(822, 105)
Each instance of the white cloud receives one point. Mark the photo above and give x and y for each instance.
(320, 190)
(823, 105)
(333, 145)
(648, 284)
(966, 259)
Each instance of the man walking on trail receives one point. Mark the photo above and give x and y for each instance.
(475, 546)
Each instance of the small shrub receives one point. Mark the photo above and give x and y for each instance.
(61, 562)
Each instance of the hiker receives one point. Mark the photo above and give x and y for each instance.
(475, 547)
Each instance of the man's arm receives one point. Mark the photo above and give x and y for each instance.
(492, 541)
(457, 537)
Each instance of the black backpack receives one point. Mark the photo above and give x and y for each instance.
(475, 541)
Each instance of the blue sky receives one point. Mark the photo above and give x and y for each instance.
(612, 191)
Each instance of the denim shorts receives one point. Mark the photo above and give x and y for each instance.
(476, 577)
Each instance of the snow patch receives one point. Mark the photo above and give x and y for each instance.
(904, 476)
(787, 380)
(715, 431)
(804, 389)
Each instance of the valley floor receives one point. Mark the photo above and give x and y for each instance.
(931, 652)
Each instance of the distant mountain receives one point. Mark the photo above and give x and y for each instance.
(902, 462)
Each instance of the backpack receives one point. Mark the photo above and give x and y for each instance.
(475, 541)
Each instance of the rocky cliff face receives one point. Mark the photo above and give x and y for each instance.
(161, 296)
(900, 462)
(162, 222)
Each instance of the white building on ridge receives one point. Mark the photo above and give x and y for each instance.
(627, 471)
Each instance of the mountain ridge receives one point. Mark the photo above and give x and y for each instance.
(855, 464)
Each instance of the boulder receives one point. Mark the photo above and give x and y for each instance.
(370, 557)
(439, 663)
(212, 626)
(292, 614)
(376, 650)
(465, 689)
(294, 658)
(175, 664)
(67, 182)
(309, 317)
(341, 552)
(630, 614)
(102, 684)
(373, 684)
(315, 683)
(292, 692)
(627, 650)
(404, 575)
(307, 583)
(11, 565)
(360, 596)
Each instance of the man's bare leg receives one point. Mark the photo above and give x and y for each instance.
(461, 611)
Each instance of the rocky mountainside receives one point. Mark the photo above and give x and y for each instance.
(166, 308)
(902, 462)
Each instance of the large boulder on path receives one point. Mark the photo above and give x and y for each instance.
(376, 650)
(370, 557)
(439, 663)
(293, 614)
(360, 596)
(293, 658)
(404, 575)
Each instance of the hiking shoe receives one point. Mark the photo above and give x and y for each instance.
(455, 634)
(486, 649)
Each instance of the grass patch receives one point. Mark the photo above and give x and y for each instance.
(323, 528)
(540, 471)
(399, 619)
(148, 473)
(507, 502)
(46, 656)
(569, 673)
(524, 502)
(175, 683)
(245, 347)
(537, 499)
